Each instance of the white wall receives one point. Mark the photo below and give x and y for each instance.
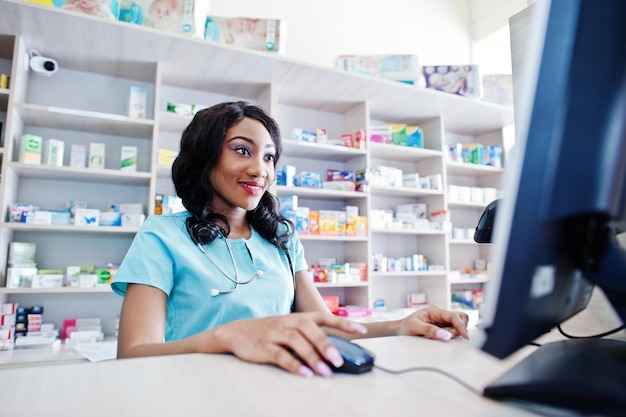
(438, 31)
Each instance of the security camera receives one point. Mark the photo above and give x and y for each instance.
(43, 65)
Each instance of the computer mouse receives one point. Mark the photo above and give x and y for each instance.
(356, 359)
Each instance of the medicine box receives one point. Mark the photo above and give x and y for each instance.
(127, 208)
(87, 217)
(128, 158)
(179, 108)
(110, 218)
(399, 67)
(381, 134)
(20, 277)
(166, 156)
(245, 32)
(463, 80)
(29, 150)
(301, 135)
(96, 155)
(53, 152)
(302, 220)
(133, 220)
(398, 134)
(78, 155)
(414, 137)
(137, 100)
(19, 212)
(287, 176)
(22, 253)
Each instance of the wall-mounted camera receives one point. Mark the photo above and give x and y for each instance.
(41, 64)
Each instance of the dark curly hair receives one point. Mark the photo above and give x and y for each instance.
(200, 150)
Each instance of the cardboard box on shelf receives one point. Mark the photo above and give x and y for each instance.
(174, 16)
(404, 68)
(463, 80)
(251, 33)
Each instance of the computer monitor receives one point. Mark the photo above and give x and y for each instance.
(564, 198)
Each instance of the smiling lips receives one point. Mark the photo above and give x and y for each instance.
(252, 187)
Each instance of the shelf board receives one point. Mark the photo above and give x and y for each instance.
(410, 232)
(468, 281)
(321, 151)
(319, 193)
(108, 176)
(388, 191)
(409, 274)
(84, 121)
(69, 228)
(341, 284)
(59, 290)
(471, 170)
(467, 204)
(401, 153)
(331, 238)
(462, 242)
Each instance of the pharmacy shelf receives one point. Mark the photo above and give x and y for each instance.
(47, 228)
(321, 151)
(58, 290)
(90, 175)
(401, 153)
(283, 190)
(84, 121)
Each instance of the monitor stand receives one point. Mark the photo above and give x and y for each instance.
(584, 375)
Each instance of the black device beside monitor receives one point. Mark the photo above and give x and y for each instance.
(554, 236)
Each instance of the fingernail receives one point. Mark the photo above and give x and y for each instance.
(323, 370)
(305, 371)
(333, 355)
(359, 327)
(442, 334)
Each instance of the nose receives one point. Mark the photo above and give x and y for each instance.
(259, 167)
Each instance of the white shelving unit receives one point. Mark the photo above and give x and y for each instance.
(86, 101)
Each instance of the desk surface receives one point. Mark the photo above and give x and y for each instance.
(199, 384)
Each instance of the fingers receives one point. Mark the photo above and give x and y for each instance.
(436, 323)
(311, 346)
(295, 342)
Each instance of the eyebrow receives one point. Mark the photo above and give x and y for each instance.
(250, 141)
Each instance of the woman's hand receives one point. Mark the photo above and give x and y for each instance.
(274, 340)
(435, 323)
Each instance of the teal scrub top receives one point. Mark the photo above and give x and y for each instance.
(164, 256)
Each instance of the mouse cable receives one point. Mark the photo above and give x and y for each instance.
(435, 370)
(595, 336)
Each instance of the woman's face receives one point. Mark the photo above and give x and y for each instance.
(245, 169)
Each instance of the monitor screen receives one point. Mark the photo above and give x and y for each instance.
(564, 195)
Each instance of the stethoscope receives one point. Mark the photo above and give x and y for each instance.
(214, 291)
(259, 273)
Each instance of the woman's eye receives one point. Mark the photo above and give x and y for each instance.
(242, 150)
(270, 157)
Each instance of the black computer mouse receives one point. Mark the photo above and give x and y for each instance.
(356, 359)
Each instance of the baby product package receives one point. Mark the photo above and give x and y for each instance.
(463, 80)
(252, 33)
(108, 9)
(403, 68)
(174, 16)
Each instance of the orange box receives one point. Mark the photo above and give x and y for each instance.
(314, 222)
(332, 301)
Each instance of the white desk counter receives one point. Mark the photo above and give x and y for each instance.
(222, 385)
(60, 353)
